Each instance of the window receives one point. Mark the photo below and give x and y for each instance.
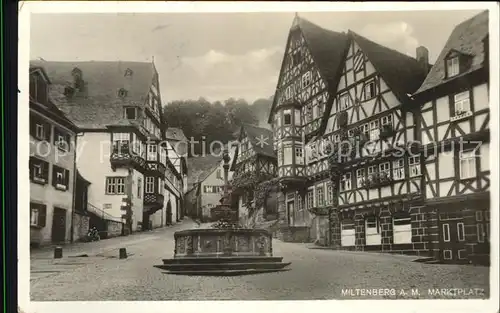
(372, 170)
(60, 178)
(160, 186)
(374, 130)
(372, 231)
(150, 185)
(306, 79)
(347, 233)
(297, 121)
(414, 166)
(38, 214)
(401, 225)
(446, 232)
(287, 118)
(372, 223)
(452, 67)
(288, 92)
(398, 169)
(152, 153)
(358, 61)
(387, 120)
(61, 140)
(462, 103)
(360, 177)
(310, 199)
(320, 195)
(344, 102)
(329, 193)
(130, 113)
(38, 128)
(121, 142)
(38, 88)
(139, 188)
(288, 153)
(365, 130)
(369, 90)
(39, 171)
(345, 182)
(480, 233)
(385, 169)
(299, 156)
(219, 173)
(467, 164)
(115, 185)
(461, 231)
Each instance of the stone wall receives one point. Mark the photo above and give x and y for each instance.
(114, 229)
(80, 226)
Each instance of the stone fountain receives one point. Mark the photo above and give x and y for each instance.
(225, 248)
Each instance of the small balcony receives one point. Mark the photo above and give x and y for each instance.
(156, 168)
(292, 174)
(377, 180)
(122, 156)
(153, 202)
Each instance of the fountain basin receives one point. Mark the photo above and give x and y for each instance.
(224, 252)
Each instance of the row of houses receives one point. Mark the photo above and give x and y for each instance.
(100, 152)
(375, 150)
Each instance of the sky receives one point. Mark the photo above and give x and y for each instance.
(222, 55)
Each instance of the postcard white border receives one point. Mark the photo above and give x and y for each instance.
(385, 306)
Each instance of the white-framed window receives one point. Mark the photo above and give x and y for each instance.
(299, 155)
(139, 188)
(344, 102)
(152, 152)
(365, 129)
(115, 185)
(462, 102)
(370, 90)
(120, 140)
(446, 232)
(150, 184)
(480, 233)
(320, 195)
(398, 169)
(461, 231)
(35, 213)
(372, 170)
(360, 177)
(329, 193)
(414, 166)
(467, 164)
(40, 131)
(374, 130)
(385, 169)
(452, 66)
(39, 170)
(386, 120)
(306, 79)
(287, 155)
(345, 182)
(401, 225)
(287, 117)
(310, 199)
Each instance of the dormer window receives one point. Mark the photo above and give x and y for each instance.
(453, 66)
(122, 93)
(128, 72)
(130, 113)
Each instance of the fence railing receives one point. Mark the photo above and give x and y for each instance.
(102, 214)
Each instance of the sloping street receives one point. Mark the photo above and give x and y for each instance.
(313, 274)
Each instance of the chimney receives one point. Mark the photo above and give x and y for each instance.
(423, 58)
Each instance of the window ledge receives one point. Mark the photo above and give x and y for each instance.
(461, 116)
(61, 187)
(40, 181)
(36, 226)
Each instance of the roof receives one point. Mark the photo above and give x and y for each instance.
(201, 167)
(327, 48)
(402, 73)
(49, 108)
(466, 38)
(261, 139)
(99, 104)
(174, 133)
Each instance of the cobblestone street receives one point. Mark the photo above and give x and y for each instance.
(314, 274)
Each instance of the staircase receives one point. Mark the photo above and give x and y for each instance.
(223, 266)
(101, 213)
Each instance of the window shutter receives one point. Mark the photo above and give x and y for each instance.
(45, 171)
(66, 178)
(42, 215)
(54, 175)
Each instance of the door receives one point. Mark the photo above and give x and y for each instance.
(169, 213)
(452, 241)
(291, 211)
(59, 225)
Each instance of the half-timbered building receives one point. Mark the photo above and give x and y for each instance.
(358, 95)
(117, 107)
(454, 130)
(254, 162)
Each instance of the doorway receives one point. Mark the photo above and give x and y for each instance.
(169, 213)
(290, 211)
(59, 225)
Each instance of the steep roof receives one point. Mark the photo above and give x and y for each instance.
(466, 38)
(261, 139)
(327, 48)
(402, 73)
(200, 167)
(174, 133)
(99, 104)
(50, 108)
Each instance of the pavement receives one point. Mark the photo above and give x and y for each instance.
(314, 274)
